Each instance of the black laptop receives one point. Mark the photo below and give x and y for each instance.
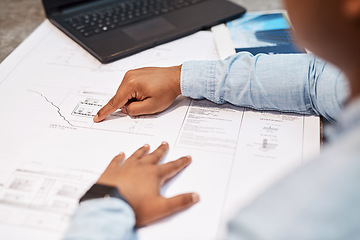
(112, 29)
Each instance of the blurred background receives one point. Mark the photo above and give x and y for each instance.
(18, 18)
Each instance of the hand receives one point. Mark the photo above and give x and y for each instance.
(144, 91)
(139, 180)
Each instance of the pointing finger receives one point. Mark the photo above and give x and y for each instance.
(126, 91)
(114, 104)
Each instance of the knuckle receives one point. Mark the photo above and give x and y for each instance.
(160, 150)
(129, 77)
(155, 157)
(129, 73)
(158, 154)
(169, 169)
(132, 83)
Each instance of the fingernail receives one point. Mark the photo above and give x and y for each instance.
(187, 160)
(195, 197)
(164, 143)
(96, 118)
(146, 146)
(123, 110)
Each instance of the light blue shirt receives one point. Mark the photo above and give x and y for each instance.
(318, 201)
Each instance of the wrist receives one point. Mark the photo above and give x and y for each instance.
(176, 79)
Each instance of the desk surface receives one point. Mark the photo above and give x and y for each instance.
(18, 18)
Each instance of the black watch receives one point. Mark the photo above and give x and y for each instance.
(101, 191)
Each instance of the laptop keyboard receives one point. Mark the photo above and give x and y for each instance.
(123, 13)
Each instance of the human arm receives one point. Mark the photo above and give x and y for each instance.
(111, 218)
(96, 219)
(298, 83)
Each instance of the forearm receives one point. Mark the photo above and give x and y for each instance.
(105, 218)
(289, 83)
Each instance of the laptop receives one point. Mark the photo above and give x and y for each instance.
(113, 29)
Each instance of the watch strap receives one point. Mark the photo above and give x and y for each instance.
(101, 191)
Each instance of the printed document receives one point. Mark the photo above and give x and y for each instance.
(51, 151)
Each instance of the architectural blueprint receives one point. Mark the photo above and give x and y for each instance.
(51, 151)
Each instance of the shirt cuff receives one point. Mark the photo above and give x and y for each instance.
(198, 79)
(102, 218)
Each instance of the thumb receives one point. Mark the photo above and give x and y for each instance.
(167, 207)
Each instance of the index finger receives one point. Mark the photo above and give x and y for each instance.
(118, 101)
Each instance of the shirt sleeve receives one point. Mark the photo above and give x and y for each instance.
(106, 218)
(297, 83)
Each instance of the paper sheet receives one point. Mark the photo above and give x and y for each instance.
(51, 151)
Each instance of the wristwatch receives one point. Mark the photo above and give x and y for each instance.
(101, 191)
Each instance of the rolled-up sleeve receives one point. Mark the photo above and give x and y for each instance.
(297, 83)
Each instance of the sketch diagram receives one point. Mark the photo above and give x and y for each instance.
(77, 108)
(87, 108)
(42, 196)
